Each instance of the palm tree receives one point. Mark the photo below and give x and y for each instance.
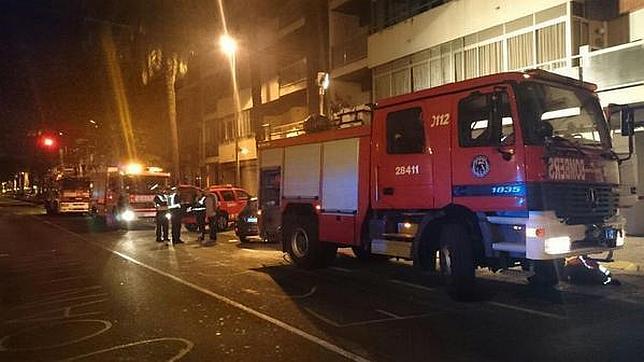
(170, 65)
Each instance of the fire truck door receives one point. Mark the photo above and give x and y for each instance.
(488, 160)
(403, 168)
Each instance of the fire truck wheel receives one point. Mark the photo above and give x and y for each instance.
(304, 247)
(456, 258)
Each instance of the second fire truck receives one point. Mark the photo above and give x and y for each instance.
(503, 170)
(124, 195)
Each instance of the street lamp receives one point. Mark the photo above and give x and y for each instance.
(228, 46)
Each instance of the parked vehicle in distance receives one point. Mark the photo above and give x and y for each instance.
(65, 192)
(232, 200)
(246, 226)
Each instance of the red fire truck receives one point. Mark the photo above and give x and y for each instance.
(500, 171)
(66, 192)
(124, 195)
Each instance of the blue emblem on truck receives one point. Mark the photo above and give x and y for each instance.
(480, 166)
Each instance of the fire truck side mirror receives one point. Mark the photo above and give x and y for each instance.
(627, 121)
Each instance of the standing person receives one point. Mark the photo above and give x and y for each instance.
(176, 214)
(161, 205)
(212, 205)
(199, 209)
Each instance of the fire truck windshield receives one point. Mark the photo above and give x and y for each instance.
(144, 185)
(573, 114)
(75, 183)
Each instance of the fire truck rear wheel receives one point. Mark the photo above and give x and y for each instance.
(456, 258)
(304, 247)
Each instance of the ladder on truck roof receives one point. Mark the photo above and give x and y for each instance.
(344, 118)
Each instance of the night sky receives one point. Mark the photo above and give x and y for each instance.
(53, 72)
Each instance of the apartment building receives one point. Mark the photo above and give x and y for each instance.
(282, 45)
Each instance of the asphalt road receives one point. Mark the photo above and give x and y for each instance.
(70, 290)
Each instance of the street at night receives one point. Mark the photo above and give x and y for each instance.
(321, 180)
(71, 291)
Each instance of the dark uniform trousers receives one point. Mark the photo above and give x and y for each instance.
(162, 225)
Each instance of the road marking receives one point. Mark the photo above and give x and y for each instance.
(388, 313)
(411, 285)
(337, 268)
(317, 340)
(526, 310)
(364, 323)
(189, 346)
(56, 301)
(106, 326)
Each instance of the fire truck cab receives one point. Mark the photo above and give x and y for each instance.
(124, 195)
(66, 192)
(503, 170)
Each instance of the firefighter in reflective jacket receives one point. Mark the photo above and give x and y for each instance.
(161, 205)
(199, 209)
(176, 214)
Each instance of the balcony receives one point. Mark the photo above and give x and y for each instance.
(292, 77)
(349, 51)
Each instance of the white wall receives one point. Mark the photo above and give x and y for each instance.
(445, 23)
(636, 25)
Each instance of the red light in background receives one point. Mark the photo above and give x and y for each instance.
(48, 142)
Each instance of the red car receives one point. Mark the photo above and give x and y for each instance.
(232, 200)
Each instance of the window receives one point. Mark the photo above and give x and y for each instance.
(228, 195)
(242, 195)
(474, 120)
(486, 120)
(405, 132)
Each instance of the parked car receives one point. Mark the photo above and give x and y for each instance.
(246, 226)
(232, 200)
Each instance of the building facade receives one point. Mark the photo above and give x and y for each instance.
(274, 85)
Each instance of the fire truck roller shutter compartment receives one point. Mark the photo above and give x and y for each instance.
(339, 201)
(301, 171)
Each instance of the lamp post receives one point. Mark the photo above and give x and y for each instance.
(228, 46)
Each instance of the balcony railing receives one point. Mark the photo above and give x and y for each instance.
(293, 73)
(349, 51)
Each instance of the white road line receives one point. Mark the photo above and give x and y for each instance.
(319, 341)
(526, 310)
(337, 268)
(389, 314)
(411, 285)
(181, 353)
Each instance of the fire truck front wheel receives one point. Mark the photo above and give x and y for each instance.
(305, 249)
(456, 257)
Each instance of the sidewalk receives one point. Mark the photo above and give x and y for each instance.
(631, 257)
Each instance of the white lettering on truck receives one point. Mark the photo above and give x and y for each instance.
(566, 169)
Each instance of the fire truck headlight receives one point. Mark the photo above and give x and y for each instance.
(557, 245)
(168, 215)
(128, 215)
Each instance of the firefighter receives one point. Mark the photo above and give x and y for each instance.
(161, 205)
(176, 214)
(199, 209)
(211, 213)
